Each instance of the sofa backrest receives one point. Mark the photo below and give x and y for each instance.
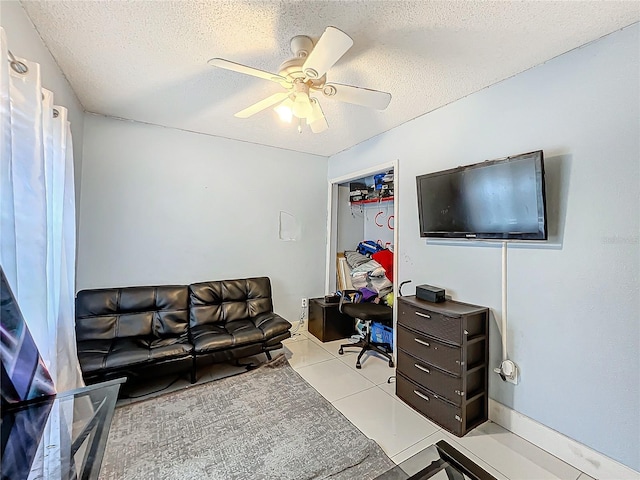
(227, 300)
(107, 313)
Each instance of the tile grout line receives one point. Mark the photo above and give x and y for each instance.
(414, 444)
(311, 364)
(439, 429)
(351, 395)
(476, 456)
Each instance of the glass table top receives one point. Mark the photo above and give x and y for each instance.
(440, 461)
(60, 437)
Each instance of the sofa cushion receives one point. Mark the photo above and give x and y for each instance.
(109, 313)
(244, 331)
(271, 324)
(264, 327)
(103, 355)
(167, 348)
(209, 338)
(127, 351)
(92, 354)
(229, 300)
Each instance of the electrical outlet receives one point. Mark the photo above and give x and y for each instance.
(508, 371)
(304, 303)
(511, 371)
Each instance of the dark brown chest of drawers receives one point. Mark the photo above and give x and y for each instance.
(443, 356)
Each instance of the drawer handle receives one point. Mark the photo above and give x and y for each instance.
(422, 342)
(421, 395)
(423, 315)
(420, 367)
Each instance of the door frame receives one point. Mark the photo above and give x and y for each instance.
(332, 224)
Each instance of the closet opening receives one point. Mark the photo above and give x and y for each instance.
(363, 208)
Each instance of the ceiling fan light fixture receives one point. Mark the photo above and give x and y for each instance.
(304, 73)
(302, 105)
(285, 110)
(316, 112)
(316, 121)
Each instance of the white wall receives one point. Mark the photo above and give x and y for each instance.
(379, 222)
(350, 222)
(25, 42)
(573, 306)
(163, 206)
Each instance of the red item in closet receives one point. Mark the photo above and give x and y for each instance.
(385, 258)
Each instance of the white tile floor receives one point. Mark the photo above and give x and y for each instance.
(366, 398)
(370, 403)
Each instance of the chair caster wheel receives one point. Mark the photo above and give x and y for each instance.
(391, 363)
(358, 366)
(341, 351)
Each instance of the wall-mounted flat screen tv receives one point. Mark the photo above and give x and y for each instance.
(497, 199)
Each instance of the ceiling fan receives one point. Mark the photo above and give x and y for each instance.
(304, 78)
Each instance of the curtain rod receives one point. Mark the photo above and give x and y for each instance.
(21, 68)
(17, 65)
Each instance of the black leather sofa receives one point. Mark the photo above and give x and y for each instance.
(124, 331)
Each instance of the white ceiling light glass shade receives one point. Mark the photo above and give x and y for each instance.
(317, 121)
(316, 112)
(302, 105)
(285, 110)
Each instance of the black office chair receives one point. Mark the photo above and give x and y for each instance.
(351, 305)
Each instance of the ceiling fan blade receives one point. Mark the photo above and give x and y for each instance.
(332, 45)
(236, 67)
(262, 104)
(317, 121)
(357, 95)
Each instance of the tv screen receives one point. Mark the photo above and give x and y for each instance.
(497, 199)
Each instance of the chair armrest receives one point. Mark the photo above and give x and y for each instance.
(346, 294)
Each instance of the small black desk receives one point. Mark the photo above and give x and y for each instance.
(326, 322)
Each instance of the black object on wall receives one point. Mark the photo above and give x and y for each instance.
(497, 199)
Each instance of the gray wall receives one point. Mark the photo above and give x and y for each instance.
(164, 206)
(25, 42)
(573, 303)
(350, 222)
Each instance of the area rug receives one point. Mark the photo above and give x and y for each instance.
(268, 423)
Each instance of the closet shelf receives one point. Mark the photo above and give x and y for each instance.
(372, 200)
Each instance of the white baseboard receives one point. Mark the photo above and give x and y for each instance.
(580, 456)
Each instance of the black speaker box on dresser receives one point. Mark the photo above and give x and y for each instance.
(429, 293)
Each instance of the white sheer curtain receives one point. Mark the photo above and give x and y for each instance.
(37, 215)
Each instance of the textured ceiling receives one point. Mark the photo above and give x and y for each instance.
(147, 60)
